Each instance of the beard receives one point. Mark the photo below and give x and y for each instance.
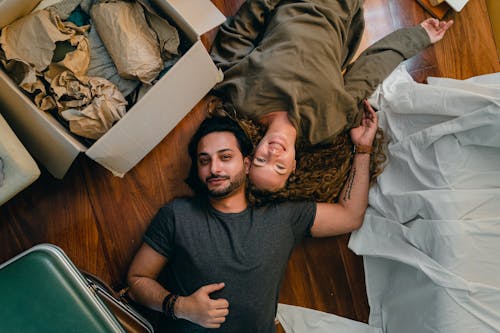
(233, 185)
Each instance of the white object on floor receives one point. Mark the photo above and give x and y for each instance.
(457, 5)
(431, 236)
(19, 168)
(295, 319)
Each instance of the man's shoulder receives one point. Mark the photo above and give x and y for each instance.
(285, 205)
(184, 203)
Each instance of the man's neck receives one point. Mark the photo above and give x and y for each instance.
(234, 203)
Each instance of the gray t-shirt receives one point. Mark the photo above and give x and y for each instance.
(248, 251)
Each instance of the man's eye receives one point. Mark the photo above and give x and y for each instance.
(203, 161)
(226, 157)
(260, 159)
(280, 167)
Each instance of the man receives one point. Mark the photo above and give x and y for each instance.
(287, 66)
(225, 259)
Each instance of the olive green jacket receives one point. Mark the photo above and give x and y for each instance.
(295, 56)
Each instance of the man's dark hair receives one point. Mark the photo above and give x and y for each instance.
(210, 125)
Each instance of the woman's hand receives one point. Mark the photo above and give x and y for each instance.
(365, 133)
(435, 28)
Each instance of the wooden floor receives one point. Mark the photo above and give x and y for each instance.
(98, 219)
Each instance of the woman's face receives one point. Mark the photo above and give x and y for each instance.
(273, 162)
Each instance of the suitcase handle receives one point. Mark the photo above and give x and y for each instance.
(117, 302)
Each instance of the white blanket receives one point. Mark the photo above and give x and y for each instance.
(431, 235)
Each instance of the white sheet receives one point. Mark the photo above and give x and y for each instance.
(431, 236)
(295, 319)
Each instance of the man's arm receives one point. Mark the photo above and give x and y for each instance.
(347, 215)
(144, 288)
(142, 275)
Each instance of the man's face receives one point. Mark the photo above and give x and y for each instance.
(221, 166)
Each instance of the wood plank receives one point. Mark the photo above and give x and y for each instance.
(99, 219)
(57, 212)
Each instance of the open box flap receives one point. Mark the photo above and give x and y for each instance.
(45, 139)
(157, 113)
(200, 16)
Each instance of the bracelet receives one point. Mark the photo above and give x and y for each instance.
(167, 306)
(362, 149)
(164, 304)
(171, 305)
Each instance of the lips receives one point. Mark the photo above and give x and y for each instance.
(216, 180)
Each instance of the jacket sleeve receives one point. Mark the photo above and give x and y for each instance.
(240, 34)
(378, 61)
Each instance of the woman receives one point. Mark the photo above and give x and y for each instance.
(287, 66)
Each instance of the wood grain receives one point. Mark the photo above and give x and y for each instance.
(99, 219)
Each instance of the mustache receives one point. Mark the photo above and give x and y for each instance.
(212, 176)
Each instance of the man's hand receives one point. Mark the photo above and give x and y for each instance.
(365, 133)
(199, 308)
(435, 28)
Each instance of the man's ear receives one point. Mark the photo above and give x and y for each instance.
(247, 162)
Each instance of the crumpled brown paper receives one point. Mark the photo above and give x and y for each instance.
(168, 36)
(146, 29)
(130, 42)
(91, 104)
(28, 46)
(32, 39)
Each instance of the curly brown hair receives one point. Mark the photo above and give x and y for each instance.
(321, 170)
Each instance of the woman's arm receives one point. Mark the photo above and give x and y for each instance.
(348, 214)
(378, 61)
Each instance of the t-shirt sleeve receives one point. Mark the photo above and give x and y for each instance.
(160, 233)
(301, 216)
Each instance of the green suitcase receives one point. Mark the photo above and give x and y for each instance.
(42, 291)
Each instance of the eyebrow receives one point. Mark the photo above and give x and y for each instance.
(217, 152)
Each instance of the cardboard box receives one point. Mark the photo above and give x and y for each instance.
(145, 124)
(438, 11)
(19, 168)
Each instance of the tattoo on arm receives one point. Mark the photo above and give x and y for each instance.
(350, 181)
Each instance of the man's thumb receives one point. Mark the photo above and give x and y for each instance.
(210, 288)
